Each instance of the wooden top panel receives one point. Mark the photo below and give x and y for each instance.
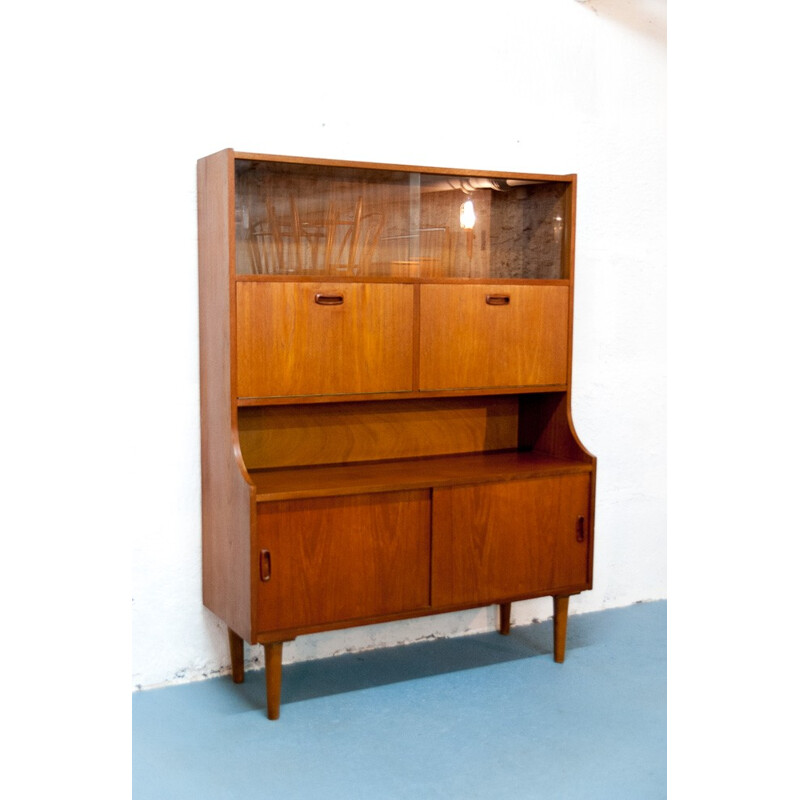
(568, 178)
(414, 473)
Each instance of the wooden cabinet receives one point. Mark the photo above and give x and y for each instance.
(385, 357)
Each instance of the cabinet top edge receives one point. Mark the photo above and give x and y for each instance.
(330, 278)
(245, 156)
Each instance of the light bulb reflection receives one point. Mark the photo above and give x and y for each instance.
(467, 215)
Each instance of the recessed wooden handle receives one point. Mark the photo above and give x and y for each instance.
(328, 299)
(497, 299)
(265, 565)
(580, 529)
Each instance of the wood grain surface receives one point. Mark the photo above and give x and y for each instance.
(343, 558)
(288, 344)
(467, 342)
(503, 540)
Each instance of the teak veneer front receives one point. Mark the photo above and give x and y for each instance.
(385, 397)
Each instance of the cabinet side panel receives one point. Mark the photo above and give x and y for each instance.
(228, 498)
(546, 426)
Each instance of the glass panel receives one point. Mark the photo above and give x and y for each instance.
(492, 228)
(300, 219)
(318, 220)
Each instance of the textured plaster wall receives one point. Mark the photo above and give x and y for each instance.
(555, 86)
(103, 422)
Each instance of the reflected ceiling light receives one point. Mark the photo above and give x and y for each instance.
(467, 214)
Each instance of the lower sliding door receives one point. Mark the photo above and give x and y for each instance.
(325, 560)
(499, 541)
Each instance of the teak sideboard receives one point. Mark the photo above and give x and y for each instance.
(385, 363)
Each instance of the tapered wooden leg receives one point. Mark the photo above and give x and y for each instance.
(237, 656)
(273, 652)
(505, 618)
(560, 606)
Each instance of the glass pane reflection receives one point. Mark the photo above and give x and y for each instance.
(301, 219)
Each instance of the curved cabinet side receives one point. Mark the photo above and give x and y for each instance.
(228, 495)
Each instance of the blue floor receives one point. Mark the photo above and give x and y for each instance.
(484, 716)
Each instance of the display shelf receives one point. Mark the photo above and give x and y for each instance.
(331, 480)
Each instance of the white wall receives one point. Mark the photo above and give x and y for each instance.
(557, 86)
(132, 102)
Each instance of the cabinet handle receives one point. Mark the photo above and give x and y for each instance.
(497, 299)
(580, 530)
(329, 299)
(265, 565)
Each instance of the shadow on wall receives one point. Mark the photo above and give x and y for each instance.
(643, 17)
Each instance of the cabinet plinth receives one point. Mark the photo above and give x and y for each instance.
(385, 360)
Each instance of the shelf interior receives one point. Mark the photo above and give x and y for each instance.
(293, 451)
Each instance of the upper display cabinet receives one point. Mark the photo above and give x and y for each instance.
(342, 221)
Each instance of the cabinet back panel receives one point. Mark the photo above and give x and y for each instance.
(284, 436)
